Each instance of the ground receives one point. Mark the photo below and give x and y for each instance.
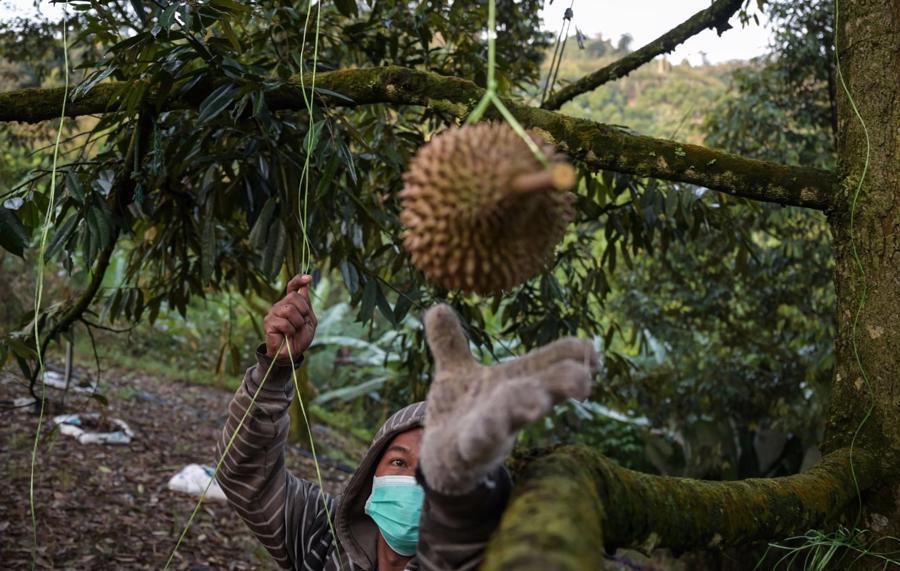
(107, 506)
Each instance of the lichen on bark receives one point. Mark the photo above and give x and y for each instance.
(570, 504)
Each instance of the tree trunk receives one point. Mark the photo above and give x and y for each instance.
(569, 505)
(867, 274)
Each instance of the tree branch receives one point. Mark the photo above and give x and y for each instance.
(573, 501)
(716, 16)
(601, 147)
(77, 309)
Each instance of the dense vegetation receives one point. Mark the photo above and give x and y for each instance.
(730, 346)
(206, 177)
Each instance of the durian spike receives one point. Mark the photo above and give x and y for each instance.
(560, 176)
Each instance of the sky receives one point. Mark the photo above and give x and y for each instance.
(646, 20)
(643, 19)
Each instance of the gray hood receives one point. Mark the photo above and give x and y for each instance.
(356, 532)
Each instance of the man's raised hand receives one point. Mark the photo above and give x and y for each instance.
(291, 317)
(474, 412)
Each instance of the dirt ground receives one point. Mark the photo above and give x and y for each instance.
(108, 506)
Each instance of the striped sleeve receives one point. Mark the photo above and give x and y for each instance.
(286, 513)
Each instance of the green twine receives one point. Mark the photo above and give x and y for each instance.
(39, 286)
(815, 540)
(306, 252)
(305, 257)
(490, 96)
(856, 258)
(222, 459)
(312, 449)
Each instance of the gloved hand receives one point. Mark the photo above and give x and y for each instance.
(474, 412)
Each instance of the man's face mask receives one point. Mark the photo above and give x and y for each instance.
(396, 505)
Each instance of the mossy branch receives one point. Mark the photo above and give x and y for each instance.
(572, 503)
(716, 16)
(601, 147)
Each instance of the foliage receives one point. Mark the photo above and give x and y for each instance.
(736, 340)
(661, 98)
(209, 203)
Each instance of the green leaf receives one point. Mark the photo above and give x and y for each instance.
(332, 93)
(260, 230)
(327, 178)
(350, 275)
(102, 224)
(347, 7)
(61, 236)
(368, 301)
(73, 185)
(311, 141)
(216, 102)
(235, 359)
(404, 304)
(274, 249)
(13, 236)
(383, 305)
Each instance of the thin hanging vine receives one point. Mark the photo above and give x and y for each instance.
(39, 285)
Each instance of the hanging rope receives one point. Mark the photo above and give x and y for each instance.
(305, 261)
(312, 449)
(558, 50)
(490, 96)
(222, 459)
(39, 286)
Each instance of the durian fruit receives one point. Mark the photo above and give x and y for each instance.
(482, 214)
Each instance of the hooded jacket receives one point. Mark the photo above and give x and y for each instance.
(304, 528)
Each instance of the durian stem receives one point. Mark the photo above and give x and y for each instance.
(560, 176)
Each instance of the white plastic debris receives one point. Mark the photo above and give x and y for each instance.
(58, 381)
(73, 425)
(193, 479)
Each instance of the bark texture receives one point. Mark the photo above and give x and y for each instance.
(867, 377)
(716, 16)
(599, 146)
(572, 503)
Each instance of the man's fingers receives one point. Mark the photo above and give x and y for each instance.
(299, 281)
(569, 379)
(290, 312)
(300, 284)
(299, 301)
(548, 356)
(280, 326)
(446, 339)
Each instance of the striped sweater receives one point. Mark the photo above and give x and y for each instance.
(288, 514)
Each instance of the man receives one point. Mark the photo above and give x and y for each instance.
(431, 488)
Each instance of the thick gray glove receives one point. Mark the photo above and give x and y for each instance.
(474, 412)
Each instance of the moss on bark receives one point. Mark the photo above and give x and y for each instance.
(571, 503)
(867, 374)
(599, 146)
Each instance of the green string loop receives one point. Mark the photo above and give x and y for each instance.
(490, 96)
(856, 258)
(39, 286)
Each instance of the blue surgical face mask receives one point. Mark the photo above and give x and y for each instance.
(396, 505)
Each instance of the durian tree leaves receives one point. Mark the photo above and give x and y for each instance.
(208, 181)
(13, 235)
